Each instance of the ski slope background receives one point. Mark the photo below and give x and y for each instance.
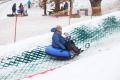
(107, 6)
(33, 24)
(25, 59)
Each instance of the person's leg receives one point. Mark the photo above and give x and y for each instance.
(67, 45)
(28, 5)
(22, 13)
(70, 45)
(71, 42)
(13, 12)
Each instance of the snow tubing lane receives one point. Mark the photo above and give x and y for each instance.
(57, 52)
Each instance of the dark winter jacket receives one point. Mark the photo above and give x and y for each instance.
(29, 2)
(14, 7)
(58, 41)
(21, 7)
(65, 6)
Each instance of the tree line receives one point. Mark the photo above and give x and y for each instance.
(95, 6)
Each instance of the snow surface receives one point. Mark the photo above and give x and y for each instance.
(100, 62)
(45, 39)
(33, 24)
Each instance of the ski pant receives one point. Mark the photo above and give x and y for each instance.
(70, 45)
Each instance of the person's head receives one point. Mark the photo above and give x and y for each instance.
(20, 3)
(59, 28)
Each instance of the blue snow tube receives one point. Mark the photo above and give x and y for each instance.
(57, 52)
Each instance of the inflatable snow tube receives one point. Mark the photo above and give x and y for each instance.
(18, 15)
(57, 52)
(10, 15)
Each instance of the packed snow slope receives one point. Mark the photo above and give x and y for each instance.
(33, 24)
(26, 58)
(107, 6)
(100, 62)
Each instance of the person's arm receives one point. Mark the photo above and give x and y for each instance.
(67, 36)
(58, 42)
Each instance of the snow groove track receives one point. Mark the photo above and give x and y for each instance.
(35, 61)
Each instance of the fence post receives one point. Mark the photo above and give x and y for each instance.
(15, 28)
(71, 5)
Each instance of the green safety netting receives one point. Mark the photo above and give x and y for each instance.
(36, 61)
